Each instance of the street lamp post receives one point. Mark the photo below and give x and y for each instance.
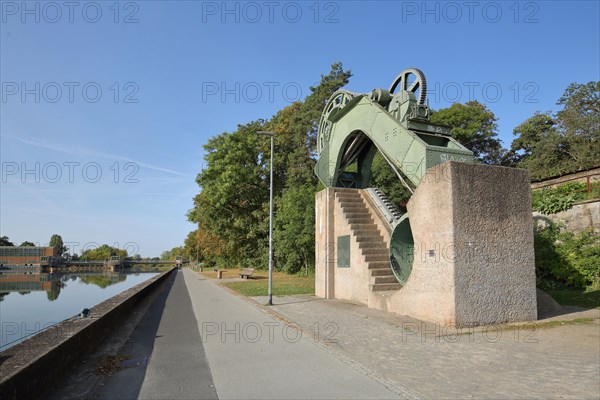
(270, 302)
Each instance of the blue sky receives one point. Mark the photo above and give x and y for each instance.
(106, 106)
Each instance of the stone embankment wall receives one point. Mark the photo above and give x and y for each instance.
(32, 367)
(584, 215)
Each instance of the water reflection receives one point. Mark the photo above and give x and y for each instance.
(26, 282)
(30, 301)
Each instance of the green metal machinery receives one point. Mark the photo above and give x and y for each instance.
(396, 122)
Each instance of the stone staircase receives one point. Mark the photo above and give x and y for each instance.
(369, 240)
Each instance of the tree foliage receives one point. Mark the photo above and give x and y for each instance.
(294, 230)
(474, 126)
(57, 241)
(170, 255)
(5, 241)
(104, 252)
(232, 209)
(550, 145)
(567, 258)
(384, 178)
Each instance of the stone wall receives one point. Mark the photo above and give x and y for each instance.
(332, 281)
(584, 215)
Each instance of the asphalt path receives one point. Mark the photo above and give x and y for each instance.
(253, 355)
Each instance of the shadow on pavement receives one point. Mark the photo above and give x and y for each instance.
(127, 382)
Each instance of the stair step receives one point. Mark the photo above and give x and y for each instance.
(378, 280)
(351, 200)
(375, 251)
(385, 286)
(354, 205)
(347, 193)
(382, 272)
(366, 232)
(349, 212)
(368, 238)
(377, 257)
(358, 226)
(361, 220)
(373, 265)
(347, 205)
(374, 241)
(373, 245)
(356, 214)
(358, 202)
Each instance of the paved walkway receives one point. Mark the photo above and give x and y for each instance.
(255, 356)
(197, 340)
(165, 356)
(435, 362)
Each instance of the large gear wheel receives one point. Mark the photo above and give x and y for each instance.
(405, 81)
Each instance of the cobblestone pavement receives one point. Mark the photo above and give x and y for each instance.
(550, 361)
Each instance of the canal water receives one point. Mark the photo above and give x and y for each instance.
(31, 302)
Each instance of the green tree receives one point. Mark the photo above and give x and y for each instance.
(56, 241)
(169, 255)
(474, 126)
(579, 122)
(233, 207)
(234, 193)
(530, 133)
(581, 109)
(4, 241)
(294, 229)
(26, 243)
(104, 252)
(549, 145)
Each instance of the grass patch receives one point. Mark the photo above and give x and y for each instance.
(553, 324)
(576, 321)
(283, 284)
(588, 298)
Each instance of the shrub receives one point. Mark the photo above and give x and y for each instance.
(567, 258)
(561, 198)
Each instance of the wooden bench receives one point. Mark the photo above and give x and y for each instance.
(246, 272)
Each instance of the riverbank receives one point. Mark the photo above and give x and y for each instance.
(33, 366)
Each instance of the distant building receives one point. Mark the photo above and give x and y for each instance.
(27, 255)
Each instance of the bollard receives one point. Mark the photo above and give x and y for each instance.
(219, 274)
